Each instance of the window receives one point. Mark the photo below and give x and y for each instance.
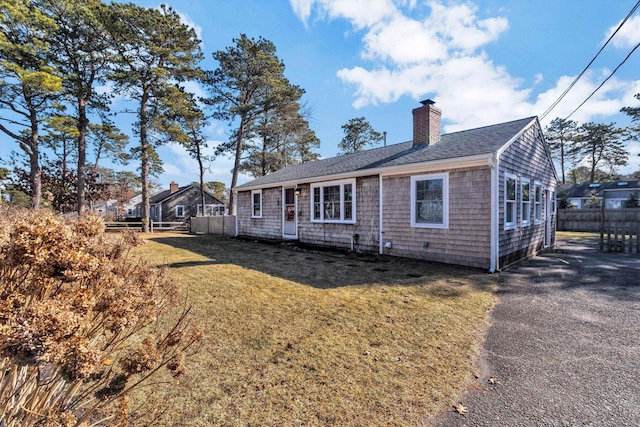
(333, 201)
(211, 210)
(525, 202)
(256, 204)
(179, 211)
(430, 201)
(509, 202)
(537, 200)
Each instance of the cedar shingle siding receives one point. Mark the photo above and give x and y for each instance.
(466, 159)
(465, 242)
(525, 158)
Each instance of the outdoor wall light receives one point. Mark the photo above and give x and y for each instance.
(297, 191)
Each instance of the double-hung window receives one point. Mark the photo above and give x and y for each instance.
(256, 204)
(179, 211)
(430, 201)
(525, 202)
(333, 201)
(510, 202)
(537, 203)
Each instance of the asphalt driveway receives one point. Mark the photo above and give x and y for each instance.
(563, 348)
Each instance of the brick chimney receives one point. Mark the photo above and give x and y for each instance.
(173, 187)
(426, 124)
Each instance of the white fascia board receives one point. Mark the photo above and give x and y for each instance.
(452, 163)
(515, 137)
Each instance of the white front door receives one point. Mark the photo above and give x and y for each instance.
(289, 213)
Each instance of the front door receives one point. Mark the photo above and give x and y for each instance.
(289, 214)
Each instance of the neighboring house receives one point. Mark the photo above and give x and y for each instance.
(179, 203)
(581, 196)
(105, 207)
(132, 208)
(481, 197)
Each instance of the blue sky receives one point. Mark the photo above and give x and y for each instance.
(483, 62)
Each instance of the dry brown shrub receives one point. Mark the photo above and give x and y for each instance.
(81, 323)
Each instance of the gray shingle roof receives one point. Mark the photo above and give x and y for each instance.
(588, 189)
(166, 194)
(466, 143)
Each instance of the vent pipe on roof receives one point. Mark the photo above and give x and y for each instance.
(426, 124)
(384, 137)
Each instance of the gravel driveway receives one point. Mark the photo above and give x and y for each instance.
(563, 348)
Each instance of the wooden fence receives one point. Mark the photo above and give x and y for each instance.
(620, 238)
(592, 219)
(222, 224)
(153, 226)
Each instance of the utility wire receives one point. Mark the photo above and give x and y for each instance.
(605, 80)
(590, 62)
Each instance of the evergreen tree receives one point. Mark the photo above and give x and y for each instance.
(358, 133)
(560, 135)
(600, 145)
(83, 53)
(155, 50)
(28, 84)
(249, 83)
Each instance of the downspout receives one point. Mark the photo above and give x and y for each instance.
(381, 233)
(235, 201)
(494, 164)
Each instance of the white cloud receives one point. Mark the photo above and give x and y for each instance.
(629, 34)
(361, 13)
(442, 55)
(302, 8)
(186, 19)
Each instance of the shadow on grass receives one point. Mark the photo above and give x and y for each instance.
(327, 269)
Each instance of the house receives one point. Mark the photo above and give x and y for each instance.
(105, 208)
(587, 195)
(482, 197)
(132, 208)
(179, 203)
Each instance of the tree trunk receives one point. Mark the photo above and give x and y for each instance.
(562, 160)
(236, 167)
(144, 164)
(201, 169)
(35, 173)
(83, 122)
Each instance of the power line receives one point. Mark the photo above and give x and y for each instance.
(553, 105)
(605, 80)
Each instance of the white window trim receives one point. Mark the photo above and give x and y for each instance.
(253, 192)
(525, 222)
(445, 200)
(177, 208)
(213, 207)
(341, 183)
(511, 225)
(536, 202)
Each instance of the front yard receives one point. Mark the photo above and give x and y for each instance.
(316, 338)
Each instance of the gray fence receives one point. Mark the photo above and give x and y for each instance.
(223, 224)
(592, 219)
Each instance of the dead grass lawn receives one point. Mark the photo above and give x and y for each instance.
(578, 236)
(305, 338)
